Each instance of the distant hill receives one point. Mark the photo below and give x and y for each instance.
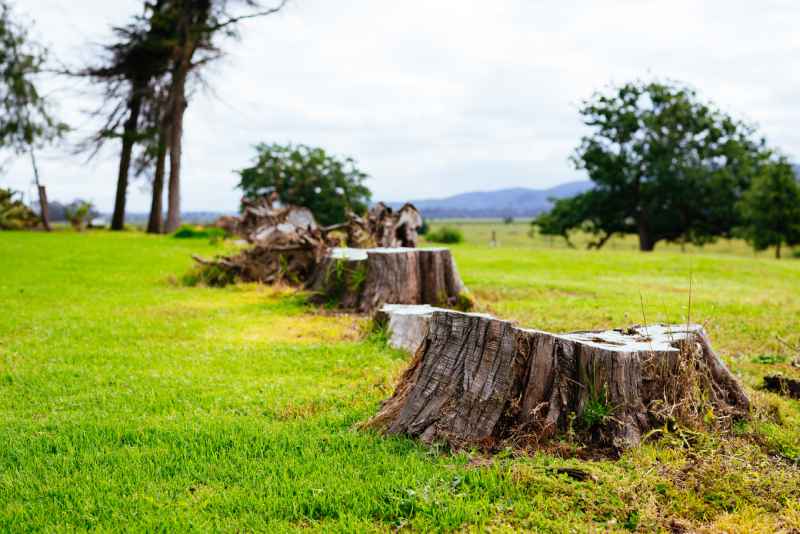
(515, 202)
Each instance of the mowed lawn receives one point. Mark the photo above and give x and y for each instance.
(130, 402)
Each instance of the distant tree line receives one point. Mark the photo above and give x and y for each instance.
(667, 166)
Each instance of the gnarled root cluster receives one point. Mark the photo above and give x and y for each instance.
(289, 246)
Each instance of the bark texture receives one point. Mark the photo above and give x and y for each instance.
(383, 227)
(128, 140)
(783, 385)
(480, 381)
(45, 212)
(366, 279)
(178, 104)
(43, 207)
(155, 223)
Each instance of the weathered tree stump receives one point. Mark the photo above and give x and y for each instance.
(783, 384)
(480, 381)
(366, 279)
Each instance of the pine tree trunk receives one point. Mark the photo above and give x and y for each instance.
(128, 140)
(178, 108)
(155, 223)
(366, 279)
(480, 381)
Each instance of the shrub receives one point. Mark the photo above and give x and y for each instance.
(79, 213)
(445, 234)
(769, 359)
(188, 231)
(209, 276)
(14, 214)
(424, 229)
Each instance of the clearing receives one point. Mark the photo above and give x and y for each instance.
(128, 401)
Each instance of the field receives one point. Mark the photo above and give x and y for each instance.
(130, 402)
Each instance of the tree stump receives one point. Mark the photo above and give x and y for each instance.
(365, 279)
(782, 384)
(480, 381)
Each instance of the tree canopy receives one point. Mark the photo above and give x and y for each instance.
(147, 74)
(771, 208)
(328, 185)
(26, 118)
(665, 166)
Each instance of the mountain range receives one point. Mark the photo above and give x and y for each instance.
(514, 202)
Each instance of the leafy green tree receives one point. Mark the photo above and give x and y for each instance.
(26, 120)
(771, 208)
(666, 166)
(310, 177)
(597, 212)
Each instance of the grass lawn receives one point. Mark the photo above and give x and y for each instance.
(129, 402)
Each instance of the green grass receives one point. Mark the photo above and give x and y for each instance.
(131, 402)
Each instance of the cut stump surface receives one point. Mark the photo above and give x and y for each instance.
(478, 381)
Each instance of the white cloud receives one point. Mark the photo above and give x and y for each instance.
(434, 98)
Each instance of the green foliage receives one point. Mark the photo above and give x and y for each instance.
(329, 186)
(666, 166)
(425, 228)
(595, 212)
(597, 409)
(188, 231)
(343, 279)
(79, 214)
(445, 234)
(464, 302)
(25, 115)
(769, 359)
(771, 208)
(209, 276)
(14, 214)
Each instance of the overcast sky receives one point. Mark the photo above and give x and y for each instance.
(432, 97)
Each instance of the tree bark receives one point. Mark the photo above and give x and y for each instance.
(480, 381)
(155, 223)
(177, 109)
(778, 251)
(366, 279)
(44, 210)
(128, 140)
(646, 242)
